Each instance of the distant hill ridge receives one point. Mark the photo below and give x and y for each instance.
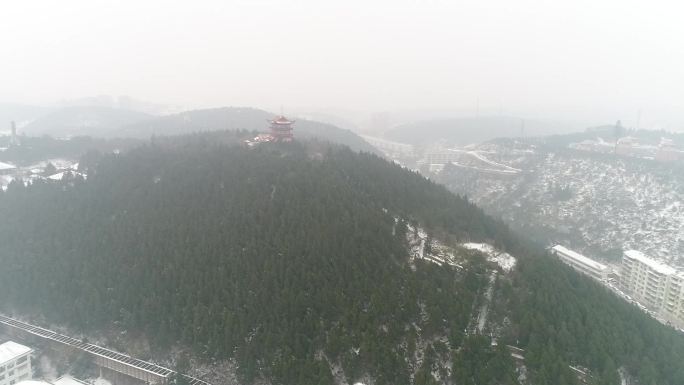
(469, 130)
(83, 121)
(110, 122)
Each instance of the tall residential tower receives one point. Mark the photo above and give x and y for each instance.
(656, 285)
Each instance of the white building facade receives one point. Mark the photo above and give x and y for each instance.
(15, 363)
(581, 263)
(656, 285)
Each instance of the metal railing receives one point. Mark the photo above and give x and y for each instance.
(121, 358)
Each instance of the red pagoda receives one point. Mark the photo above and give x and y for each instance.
(281, 129)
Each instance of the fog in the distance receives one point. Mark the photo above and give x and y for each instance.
(590, 61)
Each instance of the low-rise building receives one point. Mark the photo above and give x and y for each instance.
(6, 168)
(581, 263)
(15, 363)
(442, 157)
(668, 151)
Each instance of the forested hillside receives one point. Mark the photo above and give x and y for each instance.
(292, 260)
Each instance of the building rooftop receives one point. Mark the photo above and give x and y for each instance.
(11, 350)
(580, 258)
(68, 380)
(33, 382)
(7, 166)
(659, 267)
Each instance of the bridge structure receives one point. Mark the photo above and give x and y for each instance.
(143, 371)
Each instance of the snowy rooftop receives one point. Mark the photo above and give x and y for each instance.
(7, 166)
(68, 380)
(650, 262)
(580, 258)
(11, 350)
(57, 176)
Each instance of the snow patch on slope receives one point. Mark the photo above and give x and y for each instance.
(504, 260)
(424, 247)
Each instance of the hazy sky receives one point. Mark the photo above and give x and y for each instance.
(594, 59)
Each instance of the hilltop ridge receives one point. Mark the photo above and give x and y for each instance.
(309, 263)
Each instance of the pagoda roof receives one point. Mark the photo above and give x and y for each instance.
(282, 120)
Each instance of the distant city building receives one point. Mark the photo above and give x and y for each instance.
(435, 168)
(668, 151)
(15, 363)
(389, 147)
(442, 157)
(656, 285)
(630, 146)
(14, 139)
(581, 263)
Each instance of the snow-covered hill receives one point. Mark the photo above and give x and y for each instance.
(597, 203)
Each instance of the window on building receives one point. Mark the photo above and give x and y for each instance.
(22, 359)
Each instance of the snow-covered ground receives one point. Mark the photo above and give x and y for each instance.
(504, 260)
(478, 160)
(59, 163)
(484, 309)
(501, 166)
(598, 204)
(429, 249)
(36, 171)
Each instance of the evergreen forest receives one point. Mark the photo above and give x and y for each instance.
(291, 259)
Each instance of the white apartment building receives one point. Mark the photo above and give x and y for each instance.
(15, 363)
(443, 156)
(656, 285)
(581, 263)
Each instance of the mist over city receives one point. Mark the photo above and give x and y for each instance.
(584, 62)
(409, 192)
